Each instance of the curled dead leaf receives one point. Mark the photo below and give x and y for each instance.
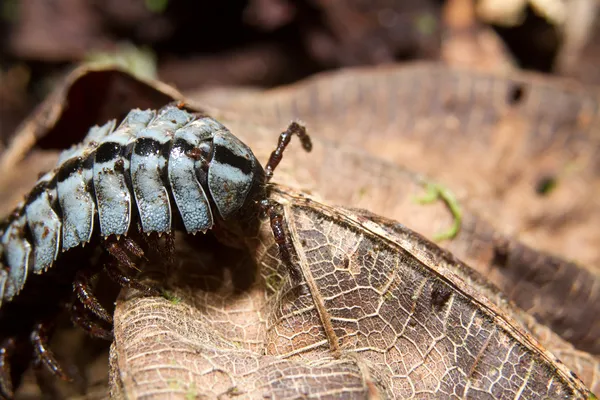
(369, 318)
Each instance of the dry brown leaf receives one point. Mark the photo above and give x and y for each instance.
(560, 294)
(470, 131)
(368, 319)
(383, 187)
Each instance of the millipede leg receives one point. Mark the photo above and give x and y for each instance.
(164, 251)
(152, 243)
(119, 277)
(6, 386)
(116, 250)
(284, 139)
(79, 317)
(283, 243)
(84, 292)
(131, 246)
(170, 248)
(39, 339)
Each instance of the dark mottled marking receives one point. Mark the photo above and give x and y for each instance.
(120, 165)
(182, 145)
(54, 203)
(10, 218)
(70, 167)
(127, 152)
(165, 149)
(52, 183)
(225, 156)
(165, 152)
(516, 93)
(108, 151)
(147, 147)
(188, 149)
(574, 375)
(194, 153)
(88, 163)
(440, 294)
(36, 192)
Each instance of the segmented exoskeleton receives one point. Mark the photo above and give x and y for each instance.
(156, 172)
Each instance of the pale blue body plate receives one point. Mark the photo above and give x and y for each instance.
(17, 251)
(189, 195)
(112, 194)
(75, 200)
(228, 184)
(151, 195)
(45, 226)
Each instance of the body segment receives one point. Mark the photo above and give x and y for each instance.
(74, 189)
(148, 162)
(44, 224)
(188, 163)
(17, 251)
(110, 166)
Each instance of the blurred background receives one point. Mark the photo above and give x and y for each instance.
(194, 44)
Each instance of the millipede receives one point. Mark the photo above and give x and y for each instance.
(156, 172)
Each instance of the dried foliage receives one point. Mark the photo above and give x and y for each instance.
(378, 310)
(493, 140)
(369, 318)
